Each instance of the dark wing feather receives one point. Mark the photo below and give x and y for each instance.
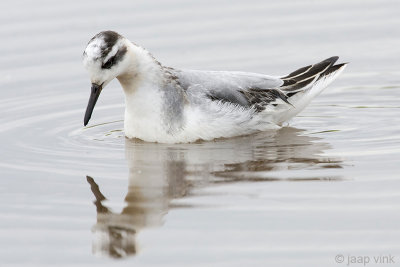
(229, 96)
(302, 77)
(258, 98)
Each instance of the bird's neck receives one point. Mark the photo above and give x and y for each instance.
(154, 101)
(143, 70)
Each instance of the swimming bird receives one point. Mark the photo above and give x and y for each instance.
(169, 105)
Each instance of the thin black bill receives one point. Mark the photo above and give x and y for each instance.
(94, 95)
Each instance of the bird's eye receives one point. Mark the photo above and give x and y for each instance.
(109, 63)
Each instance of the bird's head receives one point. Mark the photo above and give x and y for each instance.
(105, 58)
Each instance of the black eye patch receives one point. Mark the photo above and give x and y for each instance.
(109, 63)
(115, 59)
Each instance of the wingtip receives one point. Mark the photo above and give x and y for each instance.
(340, 65)
(331, 60)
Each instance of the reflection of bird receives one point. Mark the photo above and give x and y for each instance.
(281, 158)
(149, 190)
(114, 234)
(175, 106)
(159, 173)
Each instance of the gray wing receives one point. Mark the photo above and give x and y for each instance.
(239, 88)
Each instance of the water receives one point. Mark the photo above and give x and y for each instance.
(326, 185)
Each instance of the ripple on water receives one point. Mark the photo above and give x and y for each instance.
(51, 137)
(247, 217)
(48, 135)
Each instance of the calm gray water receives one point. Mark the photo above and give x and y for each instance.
(324, 187)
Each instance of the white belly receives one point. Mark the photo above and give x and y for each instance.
(200, 122)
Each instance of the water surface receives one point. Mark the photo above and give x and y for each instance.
(325, 185)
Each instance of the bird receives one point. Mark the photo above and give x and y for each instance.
(171, 105)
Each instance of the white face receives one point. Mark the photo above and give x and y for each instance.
(105, 57)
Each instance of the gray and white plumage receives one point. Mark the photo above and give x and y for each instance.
(169, 105)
